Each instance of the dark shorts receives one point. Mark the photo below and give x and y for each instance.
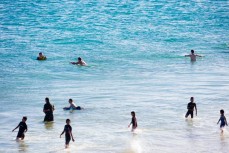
(67, 139)
(188, 113)
(222, 125)
(20, 135)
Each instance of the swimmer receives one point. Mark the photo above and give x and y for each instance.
(79, 62)
(72, 105)
(68, 133)
(191, 107)
(22, 129)
(133, 121)
(48, 110)
(223, 120)
(41, 57)
(192, 56)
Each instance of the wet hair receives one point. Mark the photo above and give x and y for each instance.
(192, 51)
(24, 118)
(40, 53)
(70, 100)
(79, 58)
(67, 120)
(222, 111)
(192, 98)
(133, 113)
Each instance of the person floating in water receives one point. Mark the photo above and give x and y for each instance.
(22, 129)
(68, 133)
(193, 56)
(191, 107)
(48, 110)
(133, 121)
(72, 105)
(41, 57)
(222, 120)
(79, 62)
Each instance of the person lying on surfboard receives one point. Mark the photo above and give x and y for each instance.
(72, 105)
(79, 62)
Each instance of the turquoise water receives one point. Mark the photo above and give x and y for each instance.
(135, 54)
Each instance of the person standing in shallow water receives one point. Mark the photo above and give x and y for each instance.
(133, 121)
(68, 133)
(193, 56)
(191, 107)
(22, 128)
(223, 120)
(48, 110)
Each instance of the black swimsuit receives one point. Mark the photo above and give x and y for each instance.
(22, 128)
(67, 130)
(190, 108)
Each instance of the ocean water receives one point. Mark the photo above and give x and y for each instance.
(135, 55)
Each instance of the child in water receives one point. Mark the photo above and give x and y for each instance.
(133, 121)
(223, 120)
(22, 129)
(68, 133)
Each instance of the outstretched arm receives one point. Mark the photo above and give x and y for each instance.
(15, 128)
(218, 121)
(187, 55)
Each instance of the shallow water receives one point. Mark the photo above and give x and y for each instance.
(135, 52)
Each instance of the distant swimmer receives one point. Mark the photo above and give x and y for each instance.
(41, 56)
(68, 133)
(79, 62)
(22, 129)
(222, 120)
(193, 56)
(48, 110)
(191, 107)
(133, 121)
(72, 105)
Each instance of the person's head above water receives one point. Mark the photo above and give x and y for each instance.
(221, 111)
(192, 99)
(133, 113)
(79, 59)
(68, 121)
(47, 100)
(24, 118)
(192, 51)
(70, 100)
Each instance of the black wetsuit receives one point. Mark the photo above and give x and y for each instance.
(22, 128)
(134, 122)
(67, 130)
(48, 114)
(190, 108)
(222, 123)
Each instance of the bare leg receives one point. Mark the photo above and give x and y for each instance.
(23, 136)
